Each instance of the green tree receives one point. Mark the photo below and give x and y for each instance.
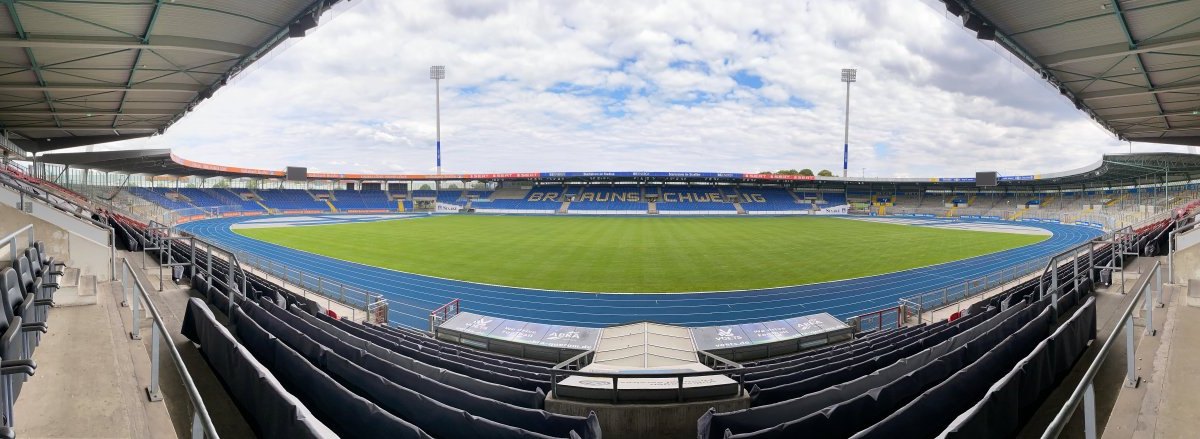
(805, 172)
(426, 187)
(825, 173)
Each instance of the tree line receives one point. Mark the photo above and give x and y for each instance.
(805, 172)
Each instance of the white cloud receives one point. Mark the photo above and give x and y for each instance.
(635, 85)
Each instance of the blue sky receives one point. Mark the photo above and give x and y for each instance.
(728, 86)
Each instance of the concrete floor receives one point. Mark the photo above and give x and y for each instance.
(92, 376)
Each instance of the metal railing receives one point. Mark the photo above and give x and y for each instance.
(1085, 392)
(136, 295)
(354, 298)
(877, 320)
(933, 300)
(78, 213)
(443, 313)
(720, 366)
(11, 242)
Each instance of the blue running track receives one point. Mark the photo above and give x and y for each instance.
(412, 296)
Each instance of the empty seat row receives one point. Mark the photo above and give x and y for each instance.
(26, 293)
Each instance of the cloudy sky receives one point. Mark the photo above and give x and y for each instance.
(622, 85)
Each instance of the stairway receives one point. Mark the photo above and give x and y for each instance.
(400, 205)
(652, 208)
(739, 208)
(794, 196)
(1018, 214)
(950, 213)
(331, 206)
(1116, 200)
(264, 206)
(565, 205)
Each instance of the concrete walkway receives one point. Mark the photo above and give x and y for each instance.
(91, 377)
(1167, 403)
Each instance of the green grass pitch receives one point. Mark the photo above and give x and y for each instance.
(640, 254)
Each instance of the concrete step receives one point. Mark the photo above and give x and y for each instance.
(69, 278)
(83, 294)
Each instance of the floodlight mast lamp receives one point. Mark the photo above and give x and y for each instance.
(437, 74)
(848, 76)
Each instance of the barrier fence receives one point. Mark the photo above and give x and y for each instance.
(136, 296)
(878, 320)
(1085, 392)
(917, 305)
(443, 313)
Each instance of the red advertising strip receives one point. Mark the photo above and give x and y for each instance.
(777, 177)
(220, 168)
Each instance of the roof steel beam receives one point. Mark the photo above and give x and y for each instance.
(33, 64)
(73, 112)
(1136, 91)
(160, 42)
(137, 60)
(1137, 57)
(168, 88)
(1164, 131)
(1119, 49)
(1145, 115)
(22, 128)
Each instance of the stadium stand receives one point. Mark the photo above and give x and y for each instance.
(290, 199)
(896, 384)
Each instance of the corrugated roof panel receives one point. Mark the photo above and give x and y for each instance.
(1179, 76)
(276, 12)
(1013, 16)
(1179, 58)
(111, 77)
(197, 23)
(70, 58)
(110, 20)
(1152, 24)
(205, 79)
(19, 76)
(1072, 36)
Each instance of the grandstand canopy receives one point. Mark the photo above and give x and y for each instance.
(1133, 65)
(82, 72)
(1112, 170)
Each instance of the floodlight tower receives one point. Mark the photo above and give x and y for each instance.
(437, 74)
(848, 76)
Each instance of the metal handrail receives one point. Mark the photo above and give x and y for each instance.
(10, 241)
(202, 425)
(731, 369)
(1085, 391)
(112, 235)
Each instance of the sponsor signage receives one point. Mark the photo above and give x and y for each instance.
(748, 334)
(516, 331)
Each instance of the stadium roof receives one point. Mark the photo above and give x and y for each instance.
(83, 72)
(1133, 65)
(1111, 170)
